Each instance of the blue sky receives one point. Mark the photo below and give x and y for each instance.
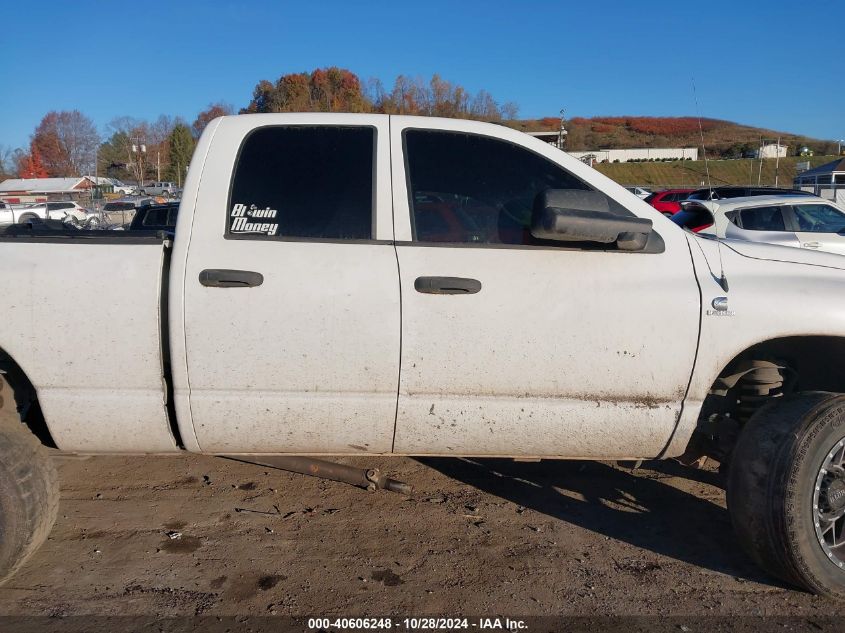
(770, 63)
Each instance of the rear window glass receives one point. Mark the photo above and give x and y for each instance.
(762, 219)
(304, 182)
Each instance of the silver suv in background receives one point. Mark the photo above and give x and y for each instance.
(807, 222)
(165, 189)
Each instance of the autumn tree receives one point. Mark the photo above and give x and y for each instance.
(30, 164)
(438, 97)
(340, 90)
(181, 144)
(66, 142)
(205, 117)
(323, 90)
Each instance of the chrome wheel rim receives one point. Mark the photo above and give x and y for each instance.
(829, 505)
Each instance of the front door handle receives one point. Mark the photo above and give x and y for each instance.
(811, 245)
(447, 285)
(223, 278)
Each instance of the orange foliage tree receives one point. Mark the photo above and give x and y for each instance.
(31, 166)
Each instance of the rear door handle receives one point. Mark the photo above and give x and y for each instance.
(811, 245)
(447, 285)
(223, 278)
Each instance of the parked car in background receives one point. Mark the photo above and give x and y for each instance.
(123, 210)
(640, 192)
(799, 221)
(60, 210)
(720, 193)
(155, 217)
(668, 201)
(164, 189)
(123, 188)
(67, 211)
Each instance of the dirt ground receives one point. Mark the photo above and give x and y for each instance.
(188, 535)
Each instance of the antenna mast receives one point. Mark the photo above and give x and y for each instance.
(701, 133)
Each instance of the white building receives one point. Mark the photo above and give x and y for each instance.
(827, 181)
(641, 154)
(623, 155)
(772, 150)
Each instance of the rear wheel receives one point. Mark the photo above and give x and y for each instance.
(786, 490)
(27, 217)
(29, 490)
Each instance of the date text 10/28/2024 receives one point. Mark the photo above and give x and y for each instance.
(416, 624)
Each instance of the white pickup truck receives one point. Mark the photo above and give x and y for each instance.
(388, 285)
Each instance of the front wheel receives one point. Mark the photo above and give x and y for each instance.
(786, 490)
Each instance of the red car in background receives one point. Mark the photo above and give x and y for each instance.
(668, 201)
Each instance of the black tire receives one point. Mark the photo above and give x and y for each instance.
(29, 489)
(27, 217)
(772, 480)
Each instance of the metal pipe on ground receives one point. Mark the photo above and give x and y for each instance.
(369, 478)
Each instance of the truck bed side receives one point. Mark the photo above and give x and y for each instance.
(81, 318)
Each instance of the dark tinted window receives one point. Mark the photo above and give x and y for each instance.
(762, 219)
(307, 182)
(693, 217)
(701, 194)
(119, 206)
(474, 189)
(819, 218)
(160, 217)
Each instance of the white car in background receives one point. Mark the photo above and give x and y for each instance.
(67, 211)
(640, 192)
(123, 188)
(60, 210)
(807, 222)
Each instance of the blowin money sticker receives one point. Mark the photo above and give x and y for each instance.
(243, 220)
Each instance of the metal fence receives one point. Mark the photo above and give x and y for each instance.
(834, 193)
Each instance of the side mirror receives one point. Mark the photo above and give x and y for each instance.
(584, 216)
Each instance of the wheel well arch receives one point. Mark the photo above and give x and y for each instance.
(763, 371)
(26, 399)
(817, 362)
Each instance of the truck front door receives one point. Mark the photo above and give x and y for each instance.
(291, 289)
(514, 346)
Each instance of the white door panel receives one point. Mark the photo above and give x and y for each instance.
(568, 353)
(307, 361)
(558, 354)
(827, 242)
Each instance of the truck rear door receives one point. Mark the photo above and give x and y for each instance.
(291, 288)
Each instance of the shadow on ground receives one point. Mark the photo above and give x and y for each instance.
(640, 508)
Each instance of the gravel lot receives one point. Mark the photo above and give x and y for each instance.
(188, 535)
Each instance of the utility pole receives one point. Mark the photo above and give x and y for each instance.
(158, 165)
(139, 148)
(561, 135)
(777, 162)
(760, 170)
